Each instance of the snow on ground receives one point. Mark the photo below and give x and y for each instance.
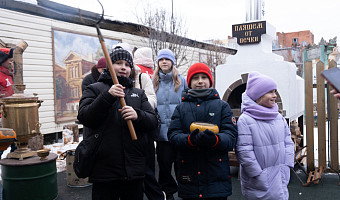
(59, 148)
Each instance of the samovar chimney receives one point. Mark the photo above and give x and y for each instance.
(19, 86)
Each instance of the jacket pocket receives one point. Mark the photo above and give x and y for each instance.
(260, 182)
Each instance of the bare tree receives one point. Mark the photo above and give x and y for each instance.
(214, 56)
(166, 31)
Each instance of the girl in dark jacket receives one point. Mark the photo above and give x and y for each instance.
(120, 164)
(202, 157)
(93, 77)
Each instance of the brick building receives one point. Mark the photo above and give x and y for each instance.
(295, 39)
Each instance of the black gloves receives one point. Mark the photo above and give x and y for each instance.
(205, 138)
(192, 138)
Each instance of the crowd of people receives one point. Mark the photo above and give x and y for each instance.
(163, 107)
(125, 168)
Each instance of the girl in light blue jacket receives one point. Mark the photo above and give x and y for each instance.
(168, 85)
(264, 148)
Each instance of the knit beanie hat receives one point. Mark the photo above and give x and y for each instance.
(5, 53)
(143, 56)
(258, 85)
(119, 53)
(101, 63)
(123, 45)
(199, 68)
(166, 53)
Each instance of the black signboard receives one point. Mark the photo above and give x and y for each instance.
(249, 33)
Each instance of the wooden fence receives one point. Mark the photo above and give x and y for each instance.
(331, 103)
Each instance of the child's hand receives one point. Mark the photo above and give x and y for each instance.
(192, 138)
(128, 113)
(335, 93)
(117, 90)
(206, 138)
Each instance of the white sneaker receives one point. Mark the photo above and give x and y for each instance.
(164, 195)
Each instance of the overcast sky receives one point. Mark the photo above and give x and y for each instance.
(213, 19)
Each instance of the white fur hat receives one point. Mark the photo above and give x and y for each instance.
(143, 56)
(125, 46)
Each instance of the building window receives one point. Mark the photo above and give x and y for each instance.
(70, 72)
(74, 92)
(76, 71)
(295, 42)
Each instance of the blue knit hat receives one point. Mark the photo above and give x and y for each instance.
(258, 85)
(166, 53)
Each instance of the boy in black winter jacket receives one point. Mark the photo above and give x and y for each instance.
(202, 157)
(120, 163)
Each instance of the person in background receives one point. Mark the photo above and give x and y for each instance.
(202, 158)
(6, 79)
(335, 93)
(144, 65)
(143, 69)
(125, 46)
(142, 57)
(120, 165)
(168, 85)
(6, 72)
(264, 147)
(93, 77)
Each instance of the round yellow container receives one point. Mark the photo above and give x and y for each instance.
(202, 126)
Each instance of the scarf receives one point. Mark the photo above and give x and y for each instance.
(125, 81)
(261, 112)
(199, 93)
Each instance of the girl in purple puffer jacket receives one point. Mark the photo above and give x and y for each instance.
(264, 148)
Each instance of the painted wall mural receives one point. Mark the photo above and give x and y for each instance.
(74, 54)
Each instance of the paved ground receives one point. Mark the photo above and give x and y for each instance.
(329, 189)
(71, 193)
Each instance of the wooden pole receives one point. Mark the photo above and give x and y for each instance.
(320, 84)
(308, 72)
(115, 80)
(333, 120)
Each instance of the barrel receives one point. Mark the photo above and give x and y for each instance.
(30, 178)
(71, 177)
